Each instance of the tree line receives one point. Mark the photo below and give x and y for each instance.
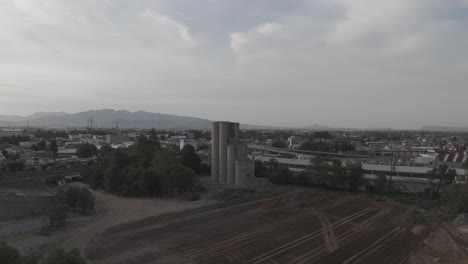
(14, 140)
(10, 255)
(333, 145)
(335, 175)
(144, 169)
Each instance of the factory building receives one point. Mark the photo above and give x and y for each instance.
(229, 156)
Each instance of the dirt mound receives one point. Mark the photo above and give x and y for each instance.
(438, 248)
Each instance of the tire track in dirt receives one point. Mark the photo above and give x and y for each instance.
(304, 258)
(278, 226)
(306, 238)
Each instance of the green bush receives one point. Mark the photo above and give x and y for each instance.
(9, 255)
(420, 218)
(61, 256)
(193, 197)
(86, 200)
(57, 215)
(455, 199)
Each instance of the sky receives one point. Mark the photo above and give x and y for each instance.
(343, 63)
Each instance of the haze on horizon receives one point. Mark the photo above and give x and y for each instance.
(343, 63)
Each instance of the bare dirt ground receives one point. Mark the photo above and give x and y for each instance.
(111, 210)
(300, 227)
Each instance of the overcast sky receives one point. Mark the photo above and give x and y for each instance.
(346, 63)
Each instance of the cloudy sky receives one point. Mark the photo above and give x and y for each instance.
(346, 63)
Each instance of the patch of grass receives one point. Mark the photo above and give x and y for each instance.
(420, 218)
(44, 231)
(200, 188)
(418, 201)
(232, 194)
(193, 197)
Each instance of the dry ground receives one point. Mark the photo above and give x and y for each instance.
(301, 227)
(111, 210)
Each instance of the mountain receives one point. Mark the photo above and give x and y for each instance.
(444, 129)
(17, 118)
(107, 118)
(326, 128)
(45, 114)
(11, 118)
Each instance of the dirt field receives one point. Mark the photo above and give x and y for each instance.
(302, 227)
(111, 210)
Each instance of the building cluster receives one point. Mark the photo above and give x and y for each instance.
(35, 151)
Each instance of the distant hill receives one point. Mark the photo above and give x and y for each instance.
(444, 129)
(107, 118)
(326, 128)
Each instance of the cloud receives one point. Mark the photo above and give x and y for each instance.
(238, 39)
(268, 28)
(357, 63)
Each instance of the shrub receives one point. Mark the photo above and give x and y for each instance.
(61, 256)
(58, 215)
(85, 201)
(9, 255)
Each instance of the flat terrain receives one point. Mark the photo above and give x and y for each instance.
(300, 227)
(111, 210)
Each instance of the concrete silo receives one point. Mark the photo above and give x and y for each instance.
(215, 153)
(223, 143)
(230, 162)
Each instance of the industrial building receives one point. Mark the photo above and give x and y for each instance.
(115, 138)
(230, 163)
(10, 132)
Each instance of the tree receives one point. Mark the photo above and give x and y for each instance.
(144, 151)
(184, 178)
(443, 175)
(57, 216)
(153, 134)
(86, 151)
(354, 175)
(455, 199)
(381, 183)
(61, 256)
(278, 143)
(106, 151)
(190, 158)
(72, 196)
(260, 169)
(465, 167)
(53, 147)
(42, 145)
(320, 169)
(86, 200)
(271, 166)
(9, 255)
(281, 175)
(15, 165)
(338, 178)
(121, 159)
(114, 179)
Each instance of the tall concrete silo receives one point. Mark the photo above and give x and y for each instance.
(223, 142)
(215, 153)
(231, 164)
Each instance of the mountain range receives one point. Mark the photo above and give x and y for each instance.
(106, 118)
(109, 118)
